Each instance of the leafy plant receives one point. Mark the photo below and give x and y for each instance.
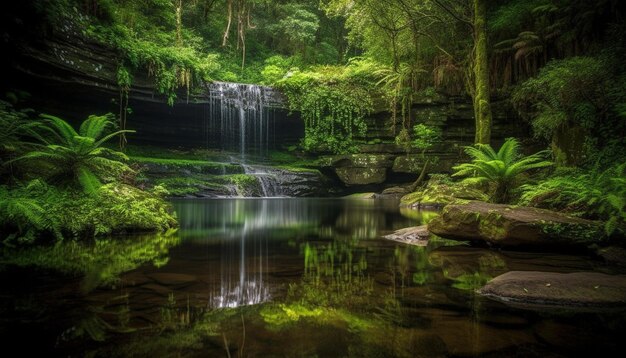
(22, 216)
(78, 157)
(500, 169)
(333, 102)
(595, 194)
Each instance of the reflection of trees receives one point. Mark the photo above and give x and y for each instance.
(101, 262)
(334, 274)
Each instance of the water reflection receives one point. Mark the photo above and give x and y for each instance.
(243, 232)
(291, 277)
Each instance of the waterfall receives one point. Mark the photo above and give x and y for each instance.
(269, 180)
(240, 117)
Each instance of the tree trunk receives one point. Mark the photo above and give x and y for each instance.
(420, 179)
(482, 106)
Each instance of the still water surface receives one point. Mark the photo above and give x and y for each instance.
(293, 278)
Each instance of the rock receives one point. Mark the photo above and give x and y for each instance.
(507, 225)
(361, 196)
(416, 235)
(359, 169)
(558, 289)
(442, 194)
(358, 161)
(361, 176)
(407, 164)
(395, 190)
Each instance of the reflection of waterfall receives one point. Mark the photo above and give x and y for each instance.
(269, 179)
(243, 272)
(241, 117)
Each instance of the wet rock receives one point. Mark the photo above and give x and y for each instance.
(558, 289)
(416, 235)
(507, 225)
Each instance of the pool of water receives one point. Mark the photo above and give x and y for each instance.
(290, 278)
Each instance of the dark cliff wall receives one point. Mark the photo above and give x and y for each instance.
(71, 76)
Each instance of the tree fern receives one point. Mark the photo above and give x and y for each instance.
(78, 157)
(499, 168)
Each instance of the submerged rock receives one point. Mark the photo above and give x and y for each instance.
(560, 289)
(415, 235)
(507, 225)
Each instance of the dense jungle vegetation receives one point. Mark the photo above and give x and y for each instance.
(559, 63)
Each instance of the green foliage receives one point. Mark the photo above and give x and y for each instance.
(425, 136)
(39, 210)
(501, 168)
(577, 92)
(299, 28)
(21, 215)
(77, 157)
(15, 125)
(595, 194)
(333, 102)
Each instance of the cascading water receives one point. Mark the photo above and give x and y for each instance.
(240, 117)
(269, 180)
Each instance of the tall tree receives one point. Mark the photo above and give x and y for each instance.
(480, 67)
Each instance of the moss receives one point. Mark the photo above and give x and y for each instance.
(202, 166)
(443, 194)
(246, 185)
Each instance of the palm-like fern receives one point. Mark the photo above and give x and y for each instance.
(21, 215)
(500, 168)
(78, 157)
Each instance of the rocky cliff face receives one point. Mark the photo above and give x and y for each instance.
(381, 162)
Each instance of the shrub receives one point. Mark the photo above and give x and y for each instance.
(596, 194)
(500, 169)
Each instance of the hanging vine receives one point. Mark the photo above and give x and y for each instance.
(124, 81)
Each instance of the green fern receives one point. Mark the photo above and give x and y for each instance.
(501, 168)
(78, 157)
(594, 194)
(23, 216)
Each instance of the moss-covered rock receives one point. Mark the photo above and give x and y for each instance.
(361, 176)
(407, 164)
(507, 225)
(442, 194)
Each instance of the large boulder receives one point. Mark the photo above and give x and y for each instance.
(359, 169)
(507, 225)
(561, 289)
